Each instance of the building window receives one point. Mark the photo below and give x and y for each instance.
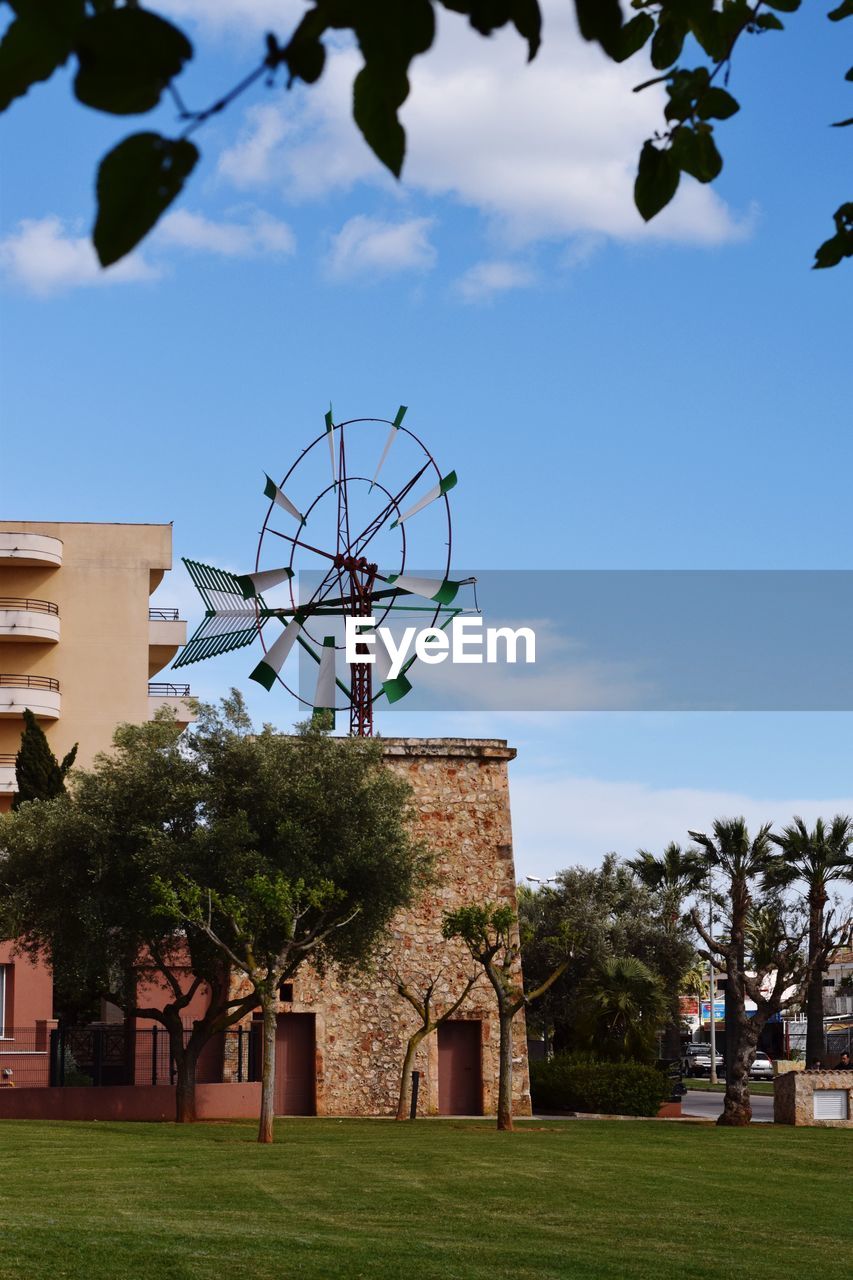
(3, 969)
(285, 992)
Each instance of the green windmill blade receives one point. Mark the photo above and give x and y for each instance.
(271, 490)
(443, 592)
(275, 657)
(252, 584)
(444, 486)
(392, 435)
(324, 696)
(330, 436)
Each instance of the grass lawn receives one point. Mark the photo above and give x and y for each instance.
(334, 1200)
(755, 1086)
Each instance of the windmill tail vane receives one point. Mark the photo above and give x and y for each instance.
(360, 521)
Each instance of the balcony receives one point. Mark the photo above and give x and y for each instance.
(30, 550)
(25, 620)
(166, 633)
(39, 693)
(8, 783)
(176, 697)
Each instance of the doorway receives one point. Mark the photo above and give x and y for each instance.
(460, 1074)
(295, 1071)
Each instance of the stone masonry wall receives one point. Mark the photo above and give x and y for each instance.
(461, 797)
(793, 1097)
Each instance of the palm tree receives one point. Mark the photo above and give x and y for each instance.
(621, 1009)
(741, 859)
(816, 858)
(674, 875)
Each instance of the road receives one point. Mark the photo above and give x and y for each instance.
(697, 1102)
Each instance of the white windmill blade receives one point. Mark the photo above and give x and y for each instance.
(443, 592)
(252, 584)
(394, 689)
(445, 484)
(324, 696)
(276, 656)
(330, 436)
(271, 490)
(395, 425)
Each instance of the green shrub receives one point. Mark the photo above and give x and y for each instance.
(569, 1083)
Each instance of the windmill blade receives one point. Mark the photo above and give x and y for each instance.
(252, 584)
(330, 436)
(395, 426)
(444, 486)
(324, 697)
(276, 656)
(443, 592)
(271, 490)
(229, 622)
(394, 689)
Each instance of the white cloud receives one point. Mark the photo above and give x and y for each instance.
(44, 257)
(563, 820)
(544, 150)
(237, 17)
(486, 279)
(262, 234)
(371, 245)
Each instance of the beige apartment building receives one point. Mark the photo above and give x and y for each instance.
(79, 644)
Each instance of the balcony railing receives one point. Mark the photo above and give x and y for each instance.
(29, 606)
(162, 615)
(161, 689)
(29, 682)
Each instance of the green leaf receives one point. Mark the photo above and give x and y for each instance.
(842, 124)
(633, 36)
(374, 107)
(840, 245)
(849, 75)
(127, 57)
(716, 104)
(657, 180)
(600, 20)
(696, 152)
(769, 22)
(668, 42)
(137, 181)
(527, 20)
(784, 6)
(844, 10)
(35, 43)
(389, 36)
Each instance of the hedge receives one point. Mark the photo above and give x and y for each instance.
(610, 1088)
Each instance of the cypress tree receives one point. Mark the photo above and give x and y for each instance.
(39, 775)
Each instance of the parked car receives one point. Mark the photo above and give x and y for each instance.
(697, 1060)
(762, 1067)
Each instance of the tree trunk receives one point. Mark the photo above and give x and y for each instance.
(265, 1127)
(505, 1078)
(186, 1062)
(671, 1039)
(815, 1039)
(406, 1076)
(737, 1108)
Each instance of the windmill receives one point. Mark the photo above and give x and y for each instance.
(353, 542)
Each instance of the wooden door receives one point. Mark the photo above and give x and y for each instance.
(460, 1075)
(295, 1072)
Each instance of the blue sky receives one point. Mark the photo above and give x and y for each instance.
(610, 397)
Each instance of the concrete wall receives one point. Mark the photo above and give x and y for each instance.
(128, 1102)
(461, 796)
(102, 659)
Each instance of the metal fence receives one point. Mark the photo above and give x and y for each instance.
(34, 1057)
(163, 689)
(163, 615)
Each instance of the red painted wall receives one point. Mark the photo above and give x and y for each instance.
(128, 1102)
(29, 989)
